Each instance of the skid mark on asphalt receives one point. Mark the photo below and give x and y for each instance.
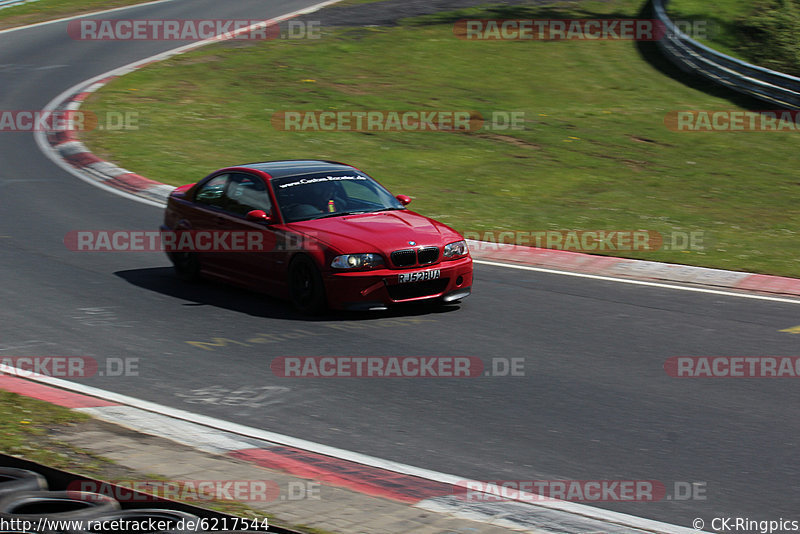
(4, 182)
(14, 345)
(249, 396)
(102, 316)
(320, 329)
(15, 69)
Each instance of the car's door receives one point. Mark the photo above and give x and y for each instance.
(208, 216)
(253, 256)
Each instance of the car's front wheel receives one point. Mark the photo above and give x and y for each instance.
(306, 288)
(187, 265)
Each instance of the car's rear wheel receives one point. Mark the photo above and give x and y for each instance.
(306, 288)
(187, 265)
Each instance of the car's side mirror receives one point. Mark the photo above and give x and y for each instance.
(258, 216)
(404, 199)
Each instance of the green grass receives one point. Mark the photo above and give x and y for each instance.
(721, 17)
(27, 432)
(26, 424)
(762, 32)
(594, 154)
(44, 10)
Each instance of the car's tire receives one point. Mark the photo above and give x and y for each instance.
(33, 505)
(19, 480)
(187, 265)
(306, 288)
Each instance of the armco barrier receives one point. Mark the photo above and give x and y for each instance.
(689, 55)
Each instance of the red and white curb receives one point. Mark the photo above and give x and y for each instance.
(421, 488)
(67, 151)
(64, 149)
(640, 272)
(72, 151)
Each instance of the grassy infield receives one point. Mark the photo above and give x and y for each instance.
(595, 153)
(720, 20)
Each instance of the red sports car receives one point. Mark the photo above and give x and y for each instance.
(320, 233)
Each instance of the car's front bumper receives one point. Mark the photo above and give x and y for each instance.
(369, 290)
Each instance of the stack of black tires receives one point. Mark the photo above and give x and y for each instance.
(36, 500)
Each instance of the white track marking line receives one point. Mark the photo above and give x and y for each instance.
(219, 424)
(82, 15)
(49, 151)
(639, 282)
(318, 448)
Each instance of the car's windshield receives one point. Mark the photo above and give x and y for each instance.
(314, 196)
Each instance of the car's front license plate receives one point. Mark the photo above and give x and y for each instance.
(419, 276)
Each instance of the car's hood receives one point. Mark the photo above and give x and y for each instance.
(385, 231)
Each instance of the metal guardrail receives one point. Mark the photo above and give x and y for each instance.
(691, 56)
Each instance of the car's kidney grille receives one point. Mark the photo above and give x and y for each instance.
(417, 289)
(427, 255)
(404, 258)
(411, 257)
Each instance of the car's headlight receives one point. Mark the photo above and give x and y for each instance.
(357, 261)
(454, 250)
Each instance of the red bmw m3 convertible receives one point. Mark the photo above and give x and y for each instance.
(320, 233)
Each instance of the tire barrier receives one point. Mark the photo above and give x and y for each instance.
(55, 505)
(35, 499)
(177, 521)
(77, 512)
(17, 480)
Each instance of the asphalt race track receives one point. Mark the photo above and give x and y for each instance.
(595, 402)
